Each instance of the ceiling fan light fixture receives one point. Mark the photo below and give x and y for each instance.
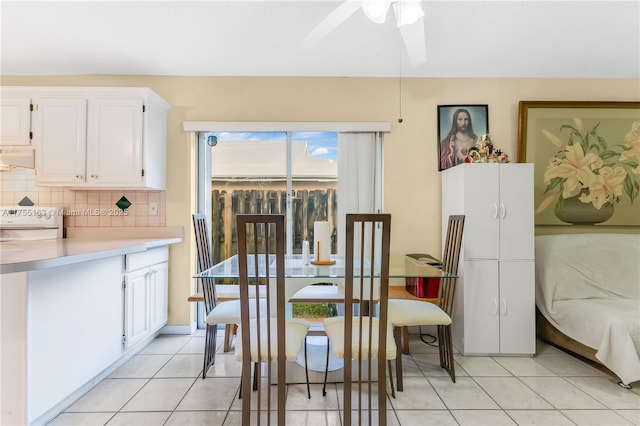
(376, 10)
(407, 12)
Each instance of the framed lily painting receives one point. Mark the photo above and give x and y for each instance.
(586, 159)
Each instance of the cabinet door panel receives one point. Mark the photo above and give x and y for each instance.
(516, 211)
(481, 314)
(517, 307)
(136, 305)
(158, 303)
(15, 117)
(481, 227)
(60, 131)
(114, 153)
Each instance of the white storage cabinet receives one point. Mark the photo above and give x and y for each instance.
(102, 138)
(15, 118)
(145, 286)
(494, 310)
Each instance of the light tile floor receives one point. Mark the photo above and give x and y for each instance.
(162, 385)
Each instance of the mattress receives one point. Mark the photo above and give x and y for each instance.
(588, 287)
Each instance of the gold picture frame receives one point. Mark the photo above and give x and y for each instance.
(585, 154)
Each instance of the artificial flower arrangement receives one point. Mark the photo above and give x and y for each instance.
(590, 168)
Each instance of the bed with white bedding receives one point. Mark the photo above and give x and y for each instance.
(588, 289)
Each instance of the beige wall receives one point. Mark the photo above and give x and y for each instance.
(410, 149)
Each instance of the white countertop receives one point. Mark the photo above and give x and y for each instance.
(21, 256)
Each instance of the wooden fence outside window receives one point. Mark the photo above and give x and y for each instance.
(308, 206)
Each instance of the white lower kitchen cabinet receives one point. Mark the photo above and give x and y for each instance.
(158, 296)
(73, 329)
(145, 287)
(495, 308)
(63, 312)
(136, 319)
(62, 327)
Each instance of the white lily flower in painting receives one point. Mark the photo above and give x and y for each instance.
(590, 168)
(632, 142)
(576, 168)
(606, 187)
(579, 124)
(553, 138)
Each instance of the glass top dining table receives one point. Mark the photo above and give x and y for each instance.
(301, 276)
(400, 266)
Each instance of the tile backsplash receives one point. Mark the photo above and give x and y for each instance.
(85, 207)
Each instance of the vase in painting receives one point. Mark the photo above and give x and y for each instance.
(572, 210)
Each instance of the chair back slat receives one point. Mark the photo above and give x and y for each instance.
(450, 261)
(366, 268)
(205, 261)
(261, 240)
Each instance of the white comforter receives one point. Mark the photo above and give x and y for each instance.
(588, 287)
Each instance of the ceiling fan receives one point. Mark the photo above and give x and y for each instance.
(409, 18)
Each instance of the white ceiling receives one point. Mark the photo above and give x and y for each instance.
(262, 38)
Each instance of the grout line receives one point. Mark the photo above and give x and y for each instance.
(393, 408)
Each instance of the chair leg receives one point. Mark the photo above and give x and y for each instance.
(393, 391)
(445, 347)
(306, 368)
(229, 331)
(405, 340)
(397, 332)
(255, 380)
(209, 348)
(256, 373)
(326, 371)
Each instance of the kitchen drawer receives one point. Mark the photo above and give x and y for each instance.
(146, 258)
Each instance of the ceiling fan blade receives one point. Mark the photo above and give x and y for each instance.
(331, 22)
(414, 40)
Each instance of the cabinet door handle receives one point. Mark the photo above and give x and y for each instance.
(495, 307)
(94, 176)
(504, 307)
(78, 176)
(494, 211)
(503, 211)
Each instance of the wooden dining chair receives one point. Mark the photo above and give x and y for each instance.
(359, 335)
(227, 313)
(266, 335)
(404, 312)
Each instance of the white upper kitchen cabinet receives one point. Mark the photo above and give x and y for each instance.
(60, 128)
(99, 138)
(494, 309)
(115, 129)
(15, 119)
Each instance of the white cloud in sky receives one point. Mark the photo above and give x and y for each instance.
(321, 150)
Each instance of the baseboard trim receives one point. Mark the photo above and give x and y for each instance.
(179, 329)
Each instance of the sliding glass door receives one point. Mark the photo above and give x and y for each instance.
(307, 176)
(290, 173)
